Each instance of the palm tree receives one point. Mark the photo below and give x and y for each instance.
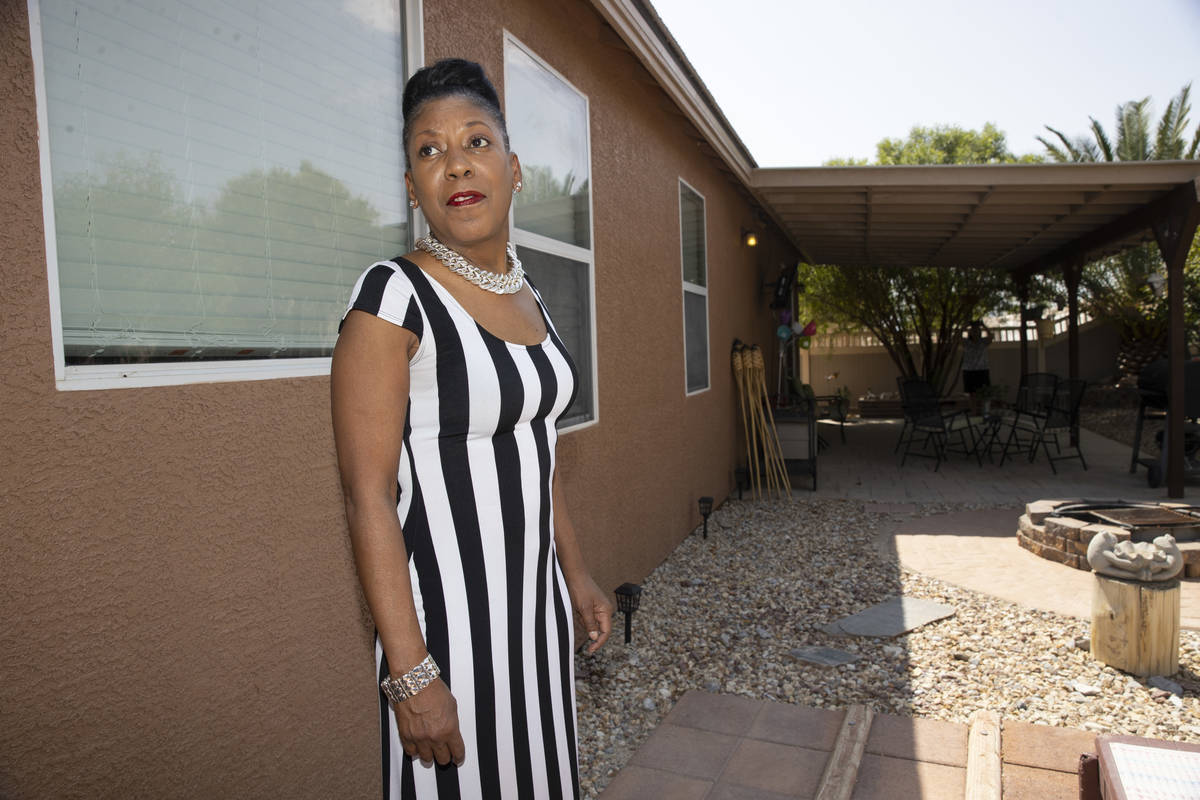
(1116, 289)
(1133, 135)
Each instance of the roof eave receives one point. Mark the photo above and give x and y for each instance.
(650, 41)
(1115, 173)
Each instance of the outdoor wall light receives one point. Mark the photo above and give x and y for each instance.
(741, 476)
(705, 510)
(629, 596)
(1156, 280)
(749, 238)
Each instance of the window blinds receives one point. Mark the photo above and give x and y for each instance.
(222, 171)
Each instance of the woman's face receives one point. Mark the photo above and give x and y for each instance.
(460, 173)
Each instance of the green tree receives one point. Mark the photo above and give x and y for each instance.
(943, 144)
(949, 144)
(918, 314)
(1117, 289)
(849, 161)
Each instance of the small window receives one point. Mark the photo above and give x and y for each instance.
(695, 288)
(552, 215)
(219, 173)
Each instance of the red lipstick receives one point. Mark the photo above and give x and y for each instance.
(464, 198)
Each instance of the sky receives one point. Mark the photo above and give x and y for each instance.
(803, 81)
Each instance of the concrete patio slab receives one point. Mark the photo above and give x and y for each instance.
(865, 468)
(978, 550)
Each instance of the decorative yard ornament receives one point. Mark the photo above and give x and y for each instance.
(1159, 560)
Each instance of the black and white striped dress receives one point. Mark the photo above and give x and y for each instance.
(474, 501)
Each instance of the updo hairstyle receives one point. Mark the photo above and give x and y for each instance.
(451, 77)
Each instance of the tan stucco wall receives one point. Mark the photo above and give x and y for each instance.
(180, 613)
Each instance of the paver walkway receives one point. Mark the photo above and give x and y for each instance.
(723, 747)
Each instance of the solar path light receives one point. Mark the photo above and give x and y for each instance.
(629, 595)
(705, 510)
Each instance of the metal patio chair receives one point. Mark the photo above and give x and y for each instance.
(926, 422)
(1034, 395)
(1060, 417)
(921, 389)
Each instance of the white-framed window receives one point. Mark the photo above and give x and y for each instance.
(694, 262)
(214, 178)
(549, 128)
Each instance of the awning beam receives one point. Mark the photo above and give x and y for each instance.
(1092, 245)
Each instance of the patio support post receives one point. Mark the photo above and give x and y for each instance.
(1174, 232)
(1023, 300)
(1072, 271)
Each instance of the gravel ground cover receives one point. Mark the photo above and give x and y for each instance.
(1118, 424)
(722, 614)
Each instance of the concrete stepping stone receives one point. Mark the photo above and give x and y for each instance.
(823, 656)
(892, 617)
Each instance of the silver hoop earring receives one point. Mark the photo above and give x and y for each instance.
(412, 203)
(517, 188)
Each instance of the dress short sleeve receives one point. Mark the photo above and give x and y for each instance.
(386, 292)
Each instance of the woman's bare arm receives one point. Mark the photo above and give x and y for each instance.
(369, 400)
(592, 607)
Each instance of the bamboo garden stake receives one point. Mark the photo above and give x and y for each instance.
(751, 450)
(749, 371)
(776, 468)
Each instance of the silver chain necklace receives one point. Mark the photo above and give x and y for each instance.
(509, 283)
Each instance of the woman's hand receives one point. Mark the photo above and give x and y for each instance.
(428, 725)
(593, 610)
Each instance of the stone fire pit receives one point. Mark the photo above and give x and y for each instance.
(1060, 530)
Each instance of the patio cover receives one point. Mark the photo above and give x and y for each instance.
(1023, 218)
(1020, 218)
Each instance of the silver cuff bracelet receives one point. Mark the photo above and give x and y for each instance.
(407, 685)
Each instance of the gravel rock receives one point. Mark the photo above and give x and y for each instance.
(791, 568)
(1166, 684)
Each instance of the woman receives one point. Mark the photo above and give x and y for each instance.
(447, 381)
